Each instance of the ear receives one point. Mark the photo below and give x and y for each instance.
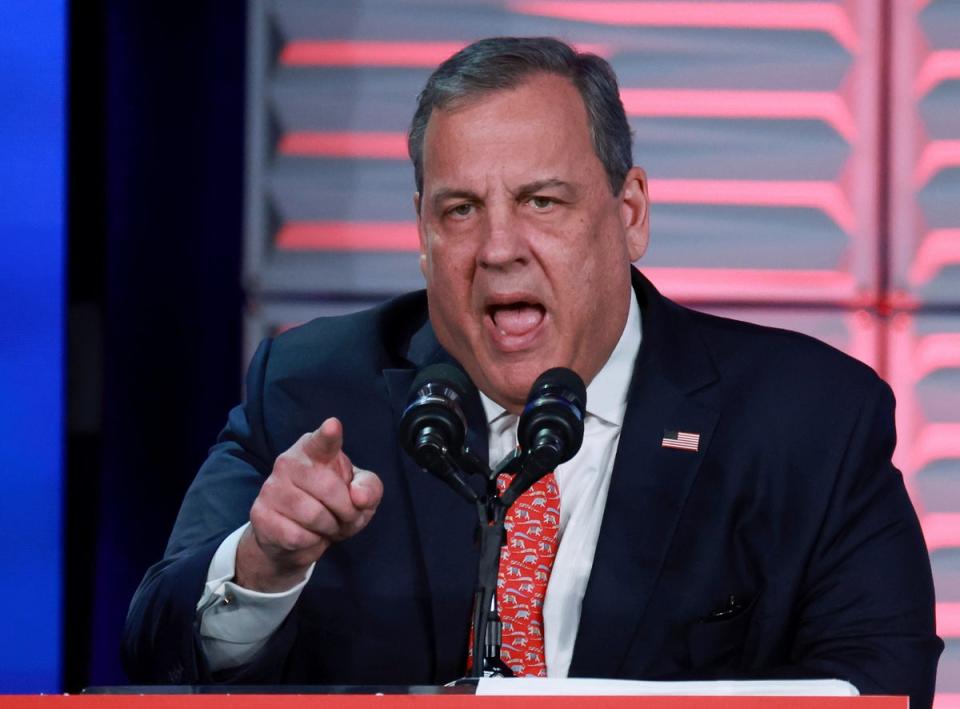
(421, 234)
(635, 212)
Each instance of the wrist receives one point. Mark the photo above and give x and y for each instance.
(257, 570)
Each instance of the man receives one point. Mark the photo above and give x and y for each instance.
(733, 512)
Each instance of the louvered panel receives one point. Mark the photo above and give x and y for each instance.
(767, 122)
(759, 123)
(924, 366)
(925, 136)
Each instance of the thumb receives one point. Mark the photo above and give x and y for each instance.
(323, 445)
(366, 489)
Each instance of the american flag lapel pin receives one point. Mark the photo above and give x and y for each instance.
(681, 440)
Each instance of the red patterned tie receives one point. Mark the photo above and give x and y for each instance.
(533, 526)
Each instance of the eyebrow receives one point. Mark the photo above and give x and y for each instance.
(443, 195)
(530, 188)
(534, 187)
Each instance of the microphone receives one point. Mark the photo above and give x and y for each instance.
(551, 427)
(433, 427)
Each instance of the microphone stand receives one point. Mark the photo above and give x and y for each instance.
(527, 468)
(487, 627)
(550, 432)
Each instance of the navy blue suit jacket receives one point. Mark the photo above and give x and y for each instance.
(791, 506)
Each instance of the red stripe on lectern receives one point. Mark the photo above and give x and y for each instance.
(742, 284)
(348, 236)
(940, 248)
(782, 105)
(427, 701)
(817, 16)
(386, 146)
(826, 197)
(409, 54)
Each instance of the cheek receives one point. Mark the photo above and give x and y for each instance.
(452, 263)
(449, 287)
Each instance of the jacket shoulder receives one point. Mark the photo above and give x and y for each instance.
(366, 341)
(798, 363)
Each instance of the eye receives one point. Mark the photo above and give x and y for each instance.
(540, 202)
(460, 211)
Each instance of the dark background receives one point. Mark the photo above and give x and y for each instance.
(156, 104)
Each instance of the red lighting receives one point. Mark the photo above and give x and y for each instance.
(948, 619)
(937, 156)
(826, 197)
(385, 146)
(348, 236)
(428, 55)
(936, 441)
(783, 105)
(941, 530)
(939, 248)
(823, 17)
(743, 285)
(936, 352)
(939, 66)
(344, 53)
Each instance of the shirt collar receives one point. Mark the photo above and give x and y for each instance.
(607, 393)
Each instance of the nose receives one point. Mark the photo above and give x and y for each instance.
(504, 241)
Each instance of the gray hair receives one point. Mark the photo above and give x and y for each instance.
(504, 63)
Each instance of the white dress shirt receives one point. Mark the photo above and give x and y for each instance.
(236, 622)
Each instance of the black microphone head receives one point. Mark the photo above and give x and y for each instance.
(433, 421)
(551, 426)
(561, 382)
(441, 374)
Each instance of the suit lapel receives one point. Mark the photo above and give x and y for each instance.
(649, 483)
(445, 523)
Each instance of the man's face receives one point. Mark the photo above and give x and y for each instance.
(524, 248)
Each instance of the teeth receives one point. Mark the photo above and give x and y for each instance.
(515, 319)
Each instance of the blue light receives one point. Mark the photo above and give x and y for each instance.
(32, 180)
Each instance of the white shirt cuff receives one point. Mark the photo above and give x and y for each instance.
(235, 622)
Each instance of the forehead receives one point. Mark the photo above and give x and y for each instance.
(541, 124)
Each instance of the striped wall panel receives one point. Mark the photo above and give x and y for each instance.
(769, 122)
(804, 163)
(925, 153)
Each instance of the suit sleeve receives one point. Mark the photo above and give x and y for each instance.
(866, 610)
(161, 638)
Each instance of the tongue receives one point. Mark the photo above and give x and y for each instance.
(517, 319)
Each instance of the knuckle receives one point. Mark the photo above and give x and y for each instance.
(284, 465)
(326, 484)
(258, 513)
(293, 539)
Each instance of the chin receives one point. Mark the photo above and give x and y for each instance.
(515, 383)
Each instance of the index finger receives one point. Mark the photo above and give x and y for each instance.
(323, 445)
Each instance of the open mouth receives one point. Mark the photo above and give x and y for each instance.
(517, 319)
